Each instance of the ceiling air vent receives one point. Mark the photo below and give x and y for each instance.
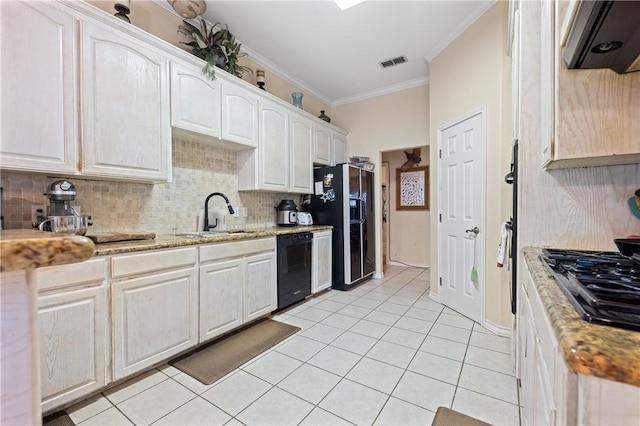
(395, 61)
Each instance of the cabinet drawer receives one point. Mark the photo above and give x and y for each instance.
(52, 277)
(141, 263)
(236, 249)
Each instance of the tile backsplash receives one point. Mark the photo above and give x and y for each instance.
(198, 170)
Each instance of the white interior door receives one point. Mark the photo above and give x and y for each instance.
(461, 173)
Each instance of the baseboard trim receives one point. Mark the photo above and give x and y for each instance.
(377, 276)
(406, 265)
(497, 329)
(434, 296)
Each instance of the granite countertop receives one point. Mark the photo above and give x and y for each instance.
(171, 241)
(592, 349)
(26, 249)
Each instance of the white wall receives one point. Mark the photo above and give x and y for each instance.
(471, 73)
(385, 123)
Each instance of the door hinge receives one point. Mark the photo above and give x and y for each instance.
(440, 217)
(440, 281)
(440, 153)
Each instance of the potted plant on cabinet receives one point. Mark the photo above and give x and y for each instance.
(218, 48)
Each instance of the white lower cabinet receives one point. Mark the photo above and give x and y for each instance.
(220, 287)
(260, 286)
(542, 370)
(238, 284)
(154, 308)
(321, 264)
(72, 321)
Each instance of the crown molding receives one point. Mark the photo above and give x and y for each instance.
(421, 81)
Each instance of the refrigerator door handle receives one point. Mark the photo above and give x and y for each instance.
(363, 212)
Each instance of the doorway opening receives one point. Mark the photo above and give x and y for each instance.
(405, 231)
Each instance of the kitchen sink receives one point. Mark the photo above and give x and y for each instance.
(202, 234)
(213, 234)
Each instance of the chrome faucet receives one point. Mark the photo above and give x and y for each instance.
(206, 209)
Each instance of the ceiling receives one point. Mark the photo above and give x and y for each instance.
(335, 55)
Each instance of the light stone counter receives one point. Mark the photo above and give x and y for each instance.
(26, 249)
(597, 350)
(171, 241)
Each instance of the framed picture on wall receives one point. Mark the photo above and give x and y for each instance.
(412, 188)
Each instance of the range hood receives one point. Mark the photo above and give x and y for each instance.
(605, 34)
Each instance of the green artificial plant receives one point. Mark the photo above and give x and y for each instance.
(218, 48)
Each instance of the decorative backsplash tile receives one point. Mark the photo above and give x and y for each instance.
(198, 170)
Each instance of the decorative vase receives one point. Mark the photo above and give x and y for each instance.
(324, 117)
(297, 99)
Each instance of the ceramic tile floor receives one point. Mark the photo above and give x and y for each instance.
(382, 353)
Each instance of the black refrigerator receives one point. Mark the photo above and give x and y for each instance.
(343, 198)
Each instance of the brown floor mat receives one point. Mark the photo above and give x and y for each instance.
(58, 419)
(223, 356)
(447, 417)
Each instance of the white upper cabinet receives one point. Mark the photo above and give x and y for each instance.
(283, 160)
(273, 167)
(338, 149)
(239, 114)
(322, 145)
(267, 167)
(300, 163)
(589, 117)
(121, 93)
(39, 130)
(125, 106)
(195, 100)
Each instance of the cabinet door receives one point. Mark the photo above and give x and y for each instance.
(73, 344)
(195, 100)
(301, 162)
(239, 115)
(220, 298)
(338, 149)
(273, 166)
(39, 96)
(260, 289)
(321, 267)
(153, 318)
(322, 145)
(125, 106)
(547, 77)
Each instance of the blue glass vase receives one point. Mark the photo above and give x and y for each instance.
(297, 99)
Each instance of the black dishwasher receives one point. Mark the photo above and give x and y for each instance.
(294, 268)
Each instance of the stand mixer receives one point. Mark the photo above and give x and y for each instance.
(62, 217)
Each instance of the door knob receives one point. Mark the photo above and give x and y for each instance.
(475, 230)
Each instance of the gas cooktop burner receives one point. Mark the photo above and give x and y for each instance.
(604, 287)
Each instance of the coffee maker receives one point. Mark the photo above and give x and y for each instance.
(61, 217)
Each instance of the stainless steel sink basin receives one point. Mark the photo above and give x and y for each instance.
(202, 234)
(212, 234)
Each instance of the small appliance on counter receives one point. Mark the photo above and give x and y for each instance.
(287, 213)
(305, 218)
(61, 217)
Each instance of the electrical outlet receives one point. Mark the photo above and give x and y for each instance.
(37, 210)
(244, 212)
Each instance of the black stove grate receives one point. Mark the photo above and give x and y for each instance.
(603, 287)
